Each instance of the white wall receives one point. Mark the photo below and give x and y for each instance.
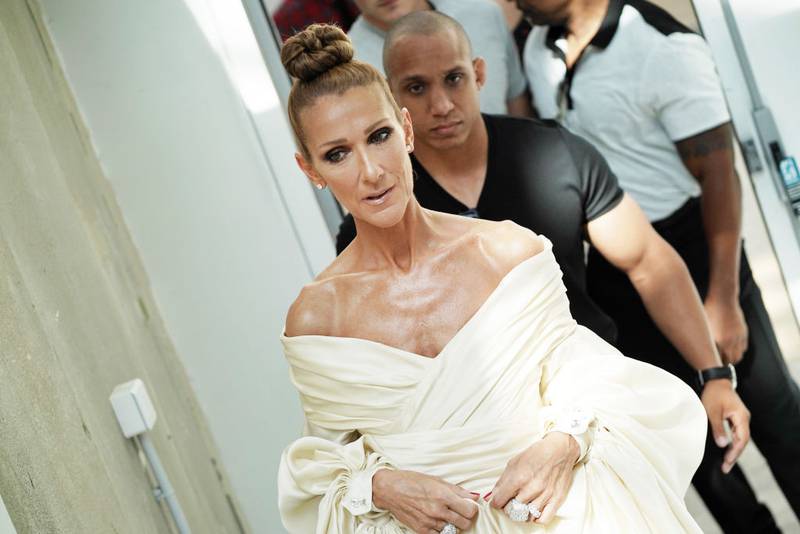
(769, 31)
(189, 130)
(273, 5)
(6, 527)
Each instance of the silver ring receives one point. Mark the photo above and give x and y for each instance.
(449, 528)
(517, 511)
(535, 512)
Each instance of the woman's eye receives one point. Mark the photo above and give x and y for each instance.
(380, 136)
(335, 156)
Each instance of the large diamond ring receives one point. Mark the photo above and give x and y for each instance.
(449, 528)
(535, 512)
(517, 511)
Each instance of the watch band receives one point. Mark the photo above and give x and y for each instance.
(715, 373)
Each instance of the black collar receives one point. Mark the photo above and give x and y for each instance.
(603, 36)
(610, 24)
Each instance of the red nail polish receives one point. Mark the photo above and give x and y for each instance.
(475, 493)
(486, 497)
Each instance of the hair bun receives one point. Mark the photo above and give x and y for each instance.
(316, 50)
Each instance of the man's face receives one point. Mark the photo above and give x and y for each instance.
(545, 12)
(434, 77)
(383, 13)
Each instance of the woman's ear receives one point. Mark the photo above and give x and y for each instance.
(408, 129)
(479, 65)
(309, 171)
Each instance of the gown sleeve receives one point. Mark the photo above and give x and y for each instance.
(644, 423)
(325, 484)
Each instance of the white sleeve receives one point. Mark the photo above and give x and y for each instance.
(625, 412)
(682, 88)
(325, 482)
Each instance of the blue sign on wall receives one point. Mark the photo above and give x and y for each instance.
(790, 172)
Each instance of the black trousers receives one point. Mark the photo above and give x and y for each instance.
(765, 385)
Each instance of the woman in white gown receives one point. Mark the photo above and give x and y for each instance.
(444, 383)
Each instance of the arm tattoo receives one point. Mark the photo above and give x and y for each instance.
(703, 144)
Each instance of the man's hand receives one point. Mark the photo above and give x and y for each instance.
(541, 474)
(728, 327)
(423, 503)
(723, 404)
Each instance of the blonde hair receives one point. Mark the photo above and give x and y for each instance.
(320, 61)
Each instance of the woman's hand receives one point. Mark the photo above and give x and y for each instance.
(423, 503)
(540, 475)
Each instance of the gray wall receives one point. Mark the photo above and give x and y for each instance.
(76, 318)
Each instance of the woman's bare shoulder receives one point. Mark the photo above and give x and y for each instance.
(313, 311)
(307, 314)
(509, 244)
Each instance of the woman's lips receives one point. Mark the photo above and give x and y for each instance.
(380, 198)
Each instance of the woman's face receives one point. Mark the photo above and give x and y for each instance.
(359, 149)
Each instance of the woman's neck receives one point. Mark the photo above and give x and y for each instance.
(400, 246)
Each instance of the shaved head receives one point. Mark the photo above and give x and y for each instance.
(428, 23)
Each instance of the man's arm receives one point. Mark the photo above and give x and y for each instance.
(626, 239)
(709, 157)
(520, 106)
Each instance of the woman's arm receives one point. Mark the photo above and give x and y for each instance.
(633, 418)
(540, 475)
(320, 482)
(331, 484)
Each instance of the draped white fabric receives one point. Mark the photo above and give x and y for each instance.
(462, 415)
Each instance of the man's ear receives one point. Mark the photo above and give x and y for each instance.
(309, 171)
(479, 65)
(408, 129)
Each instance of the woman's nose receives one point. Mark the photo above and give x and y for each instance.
(370, 169)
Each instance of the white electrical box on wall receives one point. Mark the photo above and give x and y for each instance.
(133, 408)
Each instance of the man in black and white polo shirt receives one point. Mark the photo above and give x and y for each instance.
(644, 90)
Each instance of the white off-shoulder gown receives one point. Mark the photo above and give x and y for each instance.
(488, 395)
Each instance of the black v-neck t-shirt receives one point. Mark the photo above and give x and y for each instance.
(543, 178)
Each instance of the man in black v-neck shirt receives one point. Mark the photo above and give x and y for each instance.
(543, 178)
(548, 180)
